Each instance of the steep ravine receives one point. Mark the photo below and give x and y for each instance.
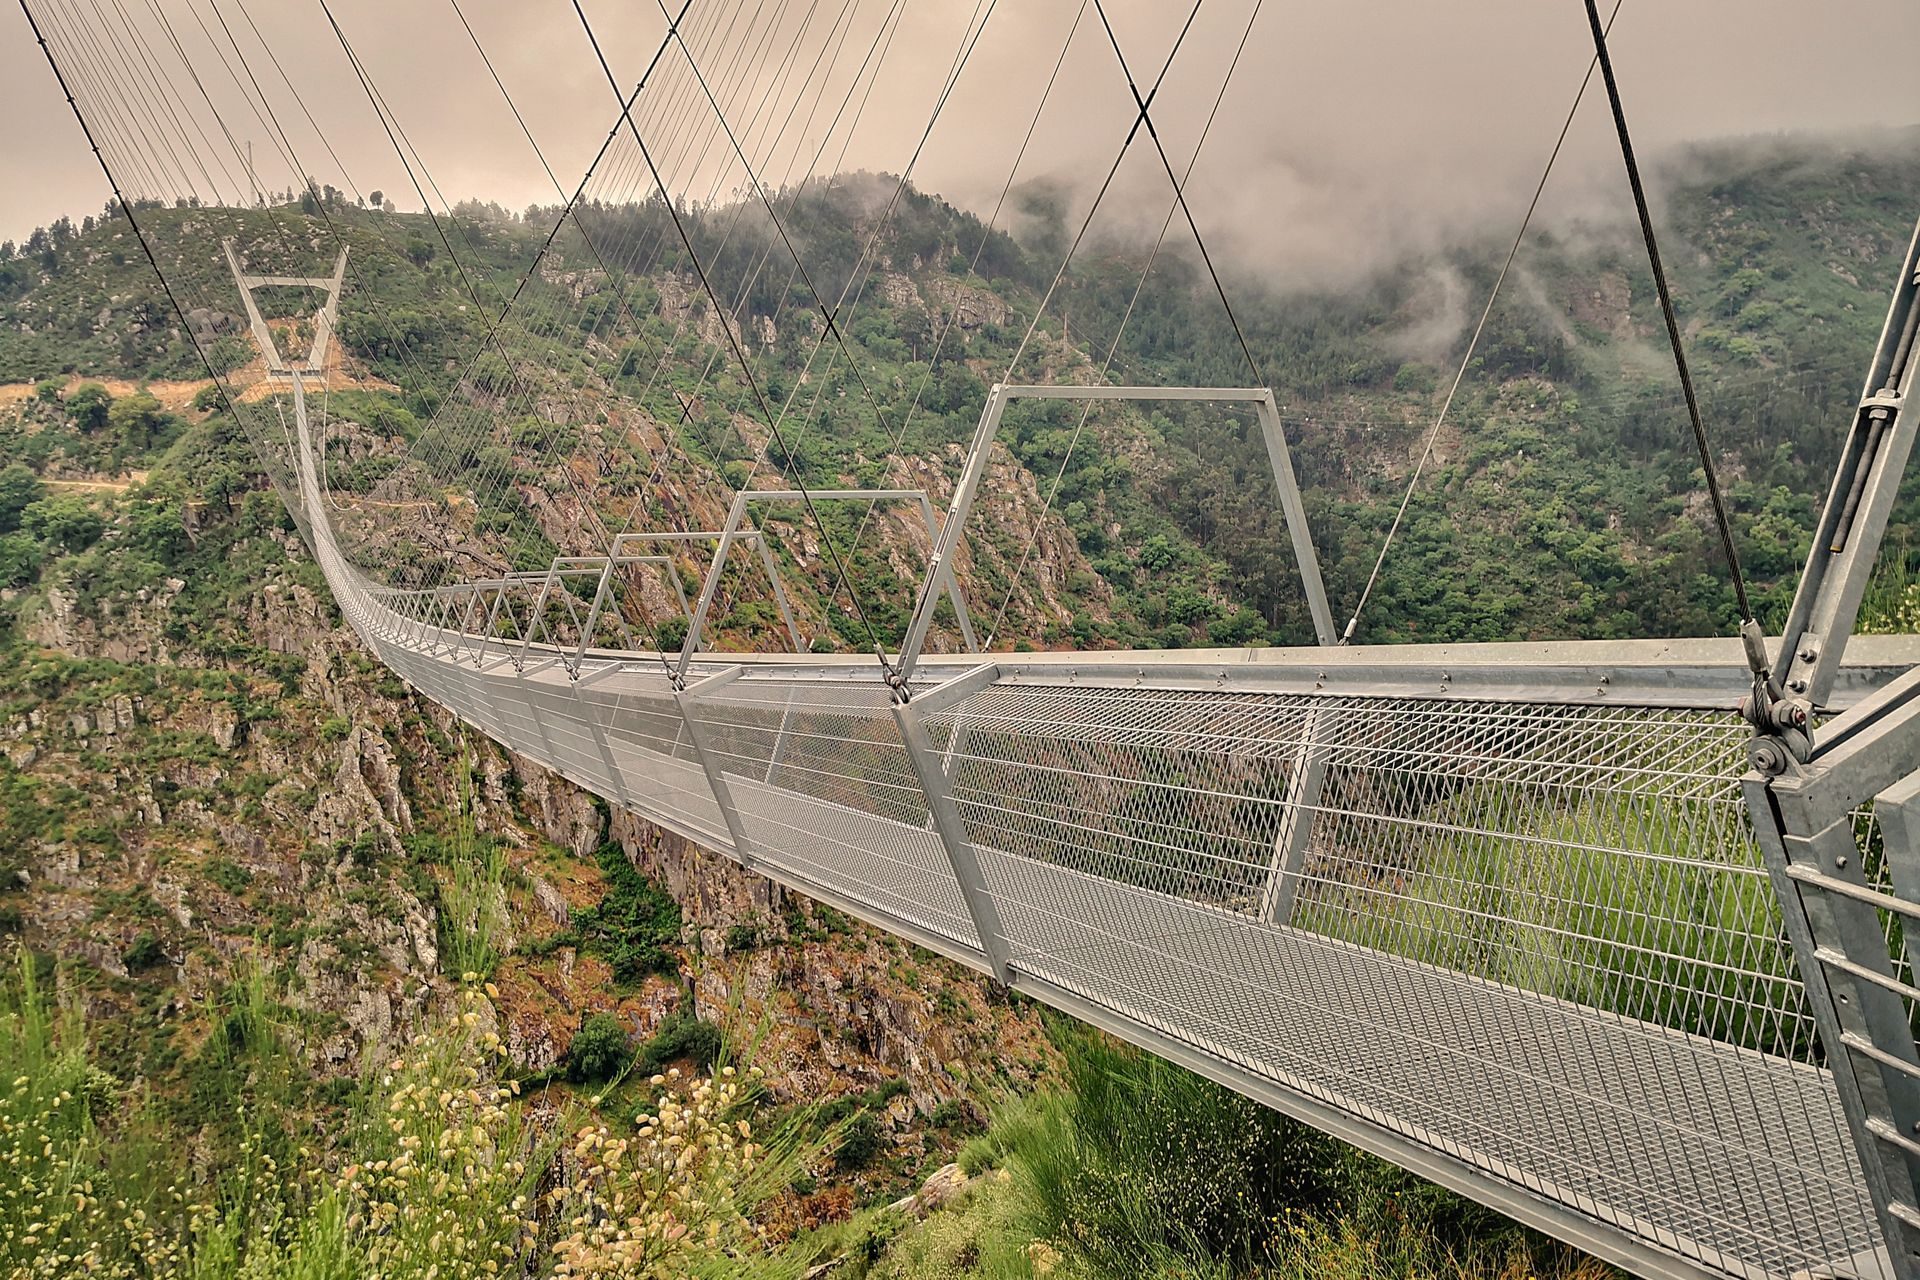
(184, 819)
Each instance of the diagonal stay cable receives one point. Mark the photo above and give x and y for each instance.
(827, 314)
(1473, 343)
(1099, 196)
(600, 463)
(862, 270)
(426, 203)
(1179, 191)
(1113, 348)
(979, 251)
(739, 353)
(126, 207)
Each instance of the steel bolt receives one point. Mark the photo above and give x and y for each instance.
(1840, 863)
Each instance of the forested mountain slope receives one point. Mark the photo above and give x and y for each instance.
(208, 789)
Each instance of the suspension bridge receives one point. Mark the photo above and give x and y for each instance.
(1677, 1030)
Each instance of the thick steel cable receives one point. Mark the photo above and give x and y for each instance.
(86, 41)
(130, 76)
(883, 43)
(373, 100)
(126, 206)
(744, 86)
(836, 38)
(1473, 343)
(1720, 515)
(193, 72)
(168, 95)
(928, 597)
(95, 70)
(628, 264)
(746, 366)
(939, 344)
(588, 508)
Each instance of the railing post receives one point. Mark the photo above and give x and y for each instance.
(928, 766)
(600, 740)
(710, 761)
(1305, 787)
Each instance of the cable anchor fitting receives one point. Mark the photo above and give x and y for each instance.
(1782, 726)
(896, 681)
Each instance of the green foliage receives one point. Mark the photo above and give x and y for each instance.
(229, 875)
(19, 489)
(861, 1140)
(1142, 1157)
(633, 924)
(434, 1171)
(681, 1035)
(145, 953)
(135, 420)
(66, 520)
(473, 917)
(600, 1050)
(1138, 1168)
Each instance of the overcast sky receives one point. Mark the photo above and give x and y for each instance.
(1350, 129)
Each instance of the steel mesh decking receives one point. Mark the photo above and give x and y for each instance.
(1536, 939)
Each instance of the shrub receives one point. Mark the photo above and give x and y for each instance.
(860, 1142)
(682, 1035)
(600, 1050)
(229, 875)
(143, 954)
(1142, 1157)
(19, 489)
(633, 924)
(66, 521)
(442, 1170)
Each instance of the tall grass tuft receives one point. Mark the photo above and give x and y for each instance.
(1139, 1168)
(473, 910)
(473, 920)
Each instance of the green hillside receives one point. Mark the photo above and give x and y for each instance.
(256, 862)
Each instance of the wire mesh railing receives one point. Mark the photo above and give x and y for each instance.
(1532, 940)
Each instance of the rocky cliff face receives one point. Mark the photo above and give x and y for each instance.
(192, 799)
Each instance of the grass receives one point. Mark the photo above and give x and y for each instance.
(1139, 1170)
(1620, 903)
